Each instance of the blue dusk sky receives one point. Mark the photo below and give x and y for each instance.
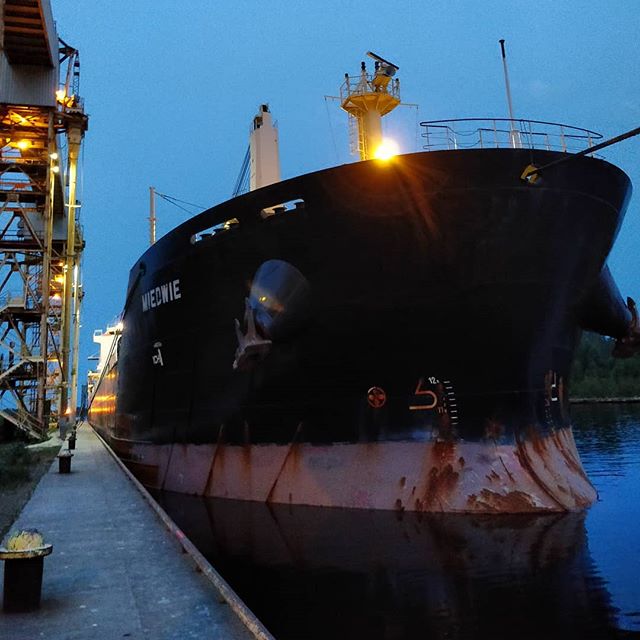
(171, 88)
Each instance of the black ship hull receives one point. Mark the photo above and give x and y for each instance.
(404, 337)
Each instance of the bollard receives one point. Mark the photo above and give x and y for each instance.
(72, 442)
(64, 462)
(65, 426)
(23, 577)
(22, 584)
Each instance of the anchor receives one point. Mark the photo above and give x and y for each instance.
(252, 348)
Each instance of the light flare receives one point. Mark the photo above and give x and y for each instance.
(386, 150)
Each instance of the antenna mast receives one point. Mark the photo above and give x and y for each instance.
(515, 138)
(152, 216)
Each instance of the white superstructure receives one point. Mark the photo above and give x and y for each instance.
(106, 339)
(263, 149)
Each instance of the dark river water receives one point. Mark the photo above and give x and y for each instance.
(311, 573)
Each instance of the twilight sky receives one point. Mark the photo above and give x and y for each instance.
(171, 88)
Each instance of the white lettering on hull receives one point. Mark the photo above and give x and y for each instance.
(163, 294)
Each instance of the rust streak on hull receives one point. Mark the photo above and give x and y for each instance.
(433, 477)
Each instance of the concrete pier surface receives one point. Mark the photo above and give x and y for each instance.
(115, 571)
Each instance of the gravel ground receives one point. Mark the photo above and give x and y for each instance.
(13, 497)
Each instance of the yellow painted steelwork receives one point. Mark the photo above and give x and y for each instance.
(367, 98)
(38, 263)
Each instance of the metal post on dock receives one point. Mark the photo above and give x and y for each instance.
(77, 302)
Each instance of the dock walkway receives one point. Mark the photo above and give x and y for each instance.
(115, 571)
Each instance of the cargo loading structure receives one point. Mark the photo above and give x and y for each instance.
(40, 236)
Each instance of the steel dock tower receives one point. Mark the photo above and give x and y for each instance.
(40, 236)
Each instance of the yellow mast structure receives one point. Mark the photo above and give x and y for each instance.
(367, 98)
(75, 124)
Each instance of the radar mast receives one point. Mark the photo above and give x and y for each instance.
(367, 98)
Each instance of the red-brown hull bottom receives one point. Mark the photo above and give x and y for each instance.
(539, 474)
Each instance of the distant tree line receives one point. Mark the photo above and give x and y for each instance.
(597, 374)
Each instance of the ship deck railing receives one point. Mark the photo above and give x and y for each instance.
(504, 133)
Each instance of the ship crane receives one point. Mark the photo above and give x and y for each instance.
(367, 98)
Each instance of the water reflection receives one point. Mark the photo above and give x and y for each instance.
(331, 573)
(608, 438)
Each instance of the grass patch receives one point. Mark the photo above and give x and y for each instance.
(18, 462)
(15, 463)
(21, 468)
